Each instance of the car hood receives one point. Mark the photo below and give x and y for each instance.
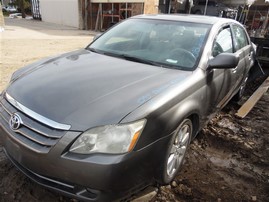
(86, 89)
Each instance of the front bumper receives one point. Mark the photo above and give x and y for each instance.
(95, 177)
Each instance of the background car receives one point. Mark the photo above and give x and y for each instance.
(213, 9)
(101, 123)
(10, 9)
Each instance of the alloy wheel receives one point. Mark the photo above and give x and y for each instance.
(178, 149)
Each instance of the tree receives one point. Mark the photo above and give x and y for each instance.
(21, 5)
(24, 6)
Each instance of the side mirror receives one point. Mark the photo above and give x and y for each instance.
(224, 61)
(97, 36)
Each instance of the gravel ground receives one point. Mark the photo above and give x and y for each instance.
(25, 41)
(228, 161)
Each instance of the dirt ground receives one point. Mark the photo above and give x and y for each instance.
(228, 161)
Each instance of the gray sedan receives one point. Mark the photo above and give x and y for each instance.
(101, 123)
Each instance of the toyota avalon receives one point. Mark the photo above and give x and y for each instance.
(101, 123)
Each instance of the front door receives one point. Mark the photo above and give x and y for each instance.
(221, 81)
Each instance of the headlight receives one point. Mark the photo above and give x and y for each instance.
(112, 139)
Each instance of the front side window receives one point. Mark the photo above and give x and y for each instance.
(240, 38)
(223, 42)
(165, 43)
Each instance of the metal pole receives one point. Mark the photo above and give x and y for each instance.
(126, 10)
(169, 8)
(246, 15)
(205, 7)
(101, 13)
(265, 21)
(86, 14)
(253, 19)
(112, 12)
(190, 6)
(91, 15)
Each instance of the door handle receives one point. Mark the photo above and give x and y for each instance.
(250, 55)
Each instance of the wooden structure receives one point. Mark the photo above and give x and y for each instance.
(102, 14)
(109, 14)
(250, 103)
(258, 19)
(262, 53)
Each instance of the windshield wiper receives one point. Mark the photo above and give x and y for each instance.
(145, 61)
(95, 50)
(140, 60)
(126, 57)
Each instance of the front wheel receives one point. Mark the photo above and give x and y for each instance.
(241, 90)
(176, 151)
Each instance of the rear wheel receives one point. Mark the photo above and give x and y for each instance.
(176, 151)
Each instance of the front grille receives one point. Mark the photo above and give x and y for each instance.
(32, 134)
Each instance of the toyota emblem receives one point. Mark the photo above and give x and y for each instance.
(15, 121)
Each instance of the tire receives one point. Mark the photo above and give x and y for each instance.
(176, 151)
(241, 90)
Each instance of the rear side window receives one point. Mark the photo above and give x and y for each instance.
(223, 42)
(240, 38)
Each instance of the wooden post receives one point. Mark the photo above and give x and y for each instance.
(80, 11)
(151, 6)
(2, 22)
(86, 15)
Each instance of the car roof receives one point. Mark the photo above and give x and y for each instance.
(187, 18)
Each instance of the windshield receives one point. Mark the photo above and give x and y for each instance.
(171, 44)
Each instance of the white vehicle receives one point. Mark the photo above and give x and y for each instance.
(9, 9)
(15, 15)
